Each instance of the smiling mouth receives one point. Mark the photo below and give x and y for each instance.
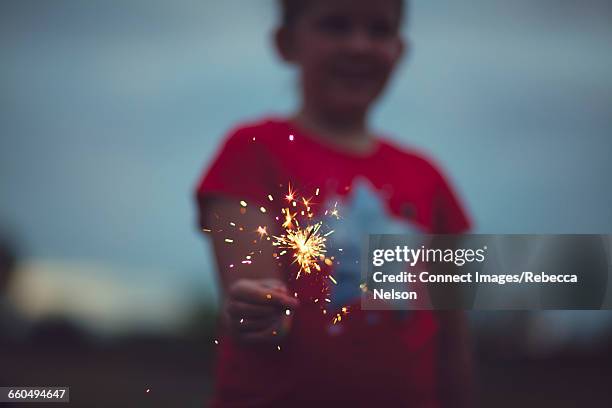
(355, 72)
(356, 80)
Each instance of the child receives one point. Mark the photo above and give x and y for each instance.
(277, 348)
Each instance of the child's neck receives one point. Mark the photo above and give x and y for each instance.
(350, 133)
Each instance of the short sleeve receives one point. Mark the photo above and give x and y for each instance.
(450, 215)
(242, 170)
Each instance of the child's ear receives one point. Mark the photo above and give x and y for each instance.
(284, 44)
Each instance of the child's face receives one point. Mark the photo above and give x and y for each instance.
(346, 51)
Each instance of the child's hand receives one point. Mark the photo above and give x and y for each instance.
(256, 309)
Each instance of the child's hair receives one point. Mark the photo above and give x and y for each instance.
(291, 9)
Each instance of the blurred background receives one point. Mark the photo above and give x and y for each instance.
(110, 110)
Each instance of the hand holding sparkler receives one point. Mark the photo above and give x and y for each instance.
(258, 310)
(258, 307)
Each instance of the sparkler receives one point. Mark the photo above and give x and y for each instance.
(307, 245)
(302, 238)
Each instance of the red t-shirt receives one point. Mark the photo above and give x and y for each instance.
(371, 357)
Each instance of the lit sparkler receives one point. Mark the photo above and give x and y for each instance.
(302, 238)
(307, 245)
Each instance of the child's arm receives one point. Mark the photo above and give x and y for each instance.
(255, 296)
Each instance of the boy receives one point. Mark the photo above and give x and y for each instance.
(277, 348)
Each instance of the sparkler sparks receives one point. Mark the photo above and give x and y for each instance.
(262, 231)
(334, 212)
(289, 217)
(307, 245)
(343, 312)
(290, 195)
(302, 239)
